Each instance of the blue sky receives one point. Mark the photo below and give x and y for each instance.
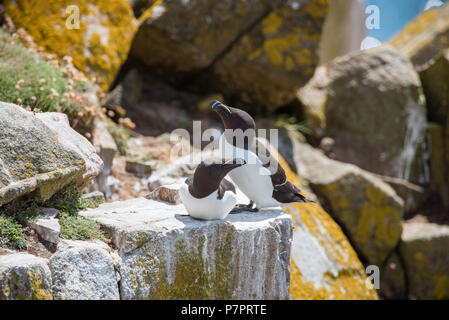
(395, 14)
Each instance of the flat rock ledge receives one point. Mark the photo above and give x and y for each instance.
(166, 254)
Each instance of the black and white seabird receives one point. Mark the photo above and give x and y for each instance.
(207, 195)
(264, 188)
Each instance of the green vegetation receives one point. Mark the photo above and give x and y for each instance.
(17, 64)
(29, 81)
(120, 135)
(79, 228)
(145, 158)
(12, 235)
(27, 213)
(291, 123)
(70, 200)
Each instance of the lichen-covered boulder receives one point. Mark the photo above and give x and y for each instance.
(98, 44)
(24, 277)
(369, 209)
(83, 270)
(40, 154)
(186, 36)
(276, 57)
(69, 139)
(425, 37)
(323, 263)
(371, 103)
(424, 249)
(414, 196)
(166, 254)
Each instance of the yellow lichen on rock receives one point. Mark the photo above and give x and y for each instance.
(424, 250)
(373, 221)
(98, 47)
(425, 37)
(39, 291)
(276, 57)
(343, 275)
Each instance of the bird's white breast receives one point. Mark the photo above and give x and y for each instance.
(209, 207)
(252, 178)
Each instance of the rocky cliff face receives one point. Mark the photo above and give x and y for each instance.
(375, 115)
(96, 34)
(374, 158)
(168, 255)
(162, 253)
(41, 154)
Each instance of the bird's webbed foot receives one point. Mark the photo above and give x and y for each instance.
(239, 208)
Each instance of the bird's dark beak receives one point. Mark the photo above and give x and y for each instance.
(234, 163)
(219, 107)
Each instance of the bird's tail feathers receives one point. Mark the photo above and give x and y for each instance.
(301, 198)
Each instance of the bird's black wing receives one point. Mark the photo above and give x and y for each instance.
(225, 185)
(283, 191)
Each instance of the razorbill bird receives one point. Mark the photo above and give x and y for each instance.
(207, 195)
(263, 181)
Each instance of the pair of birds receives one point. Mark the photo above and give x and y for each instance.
(208, 195)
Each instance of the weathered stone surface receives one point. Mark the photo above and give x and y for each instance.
(392, 279)
(139, 168)
(276, 57)
(106, 148)
(47, 228)
(424, 250)
(344, 29)
(369, 209)
(182, 36)
(83, 270)
(323, 263)
(438, 162)
(168, 255)
(40, 154)
(426, 37)
(434, 77)
(24, 277)
(414, 196)
(168, 193)
(371, 103)
(72, 140)
(95, 196)
(98, 45)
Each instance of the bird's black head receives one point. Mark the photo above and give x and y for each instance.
(233, 118)
(210, 172)
(215, 169)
